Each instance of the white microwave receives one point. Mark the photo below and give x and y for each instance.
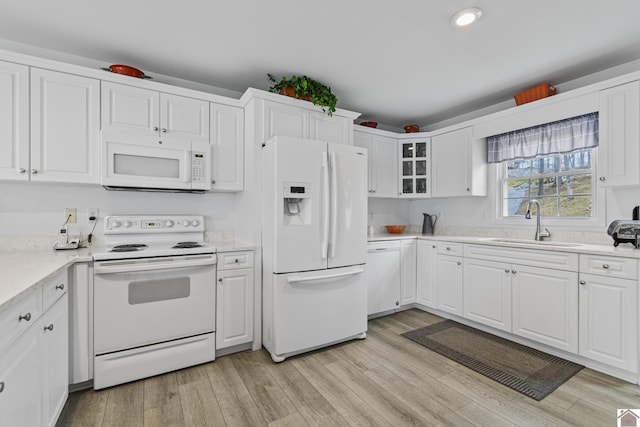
(147, 163)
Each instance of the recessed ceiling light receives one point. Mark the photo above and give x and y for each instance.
(466, 17)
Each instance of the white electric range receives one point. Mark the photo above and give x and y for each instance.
(154, 297)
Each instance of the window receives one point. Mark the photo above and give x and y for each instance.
(563, 184)
(552, 163)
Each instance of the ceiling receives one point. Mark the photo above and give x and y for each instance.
(396, 62)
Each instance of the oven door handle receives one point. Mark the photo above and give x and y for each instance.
(149, 264)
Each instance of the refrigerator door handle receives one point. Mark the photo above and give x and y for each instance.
(325, 205)
(334, 204)
(300, 279)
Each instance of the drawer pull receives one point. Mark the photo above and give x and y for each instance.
(60, 286)
(26, 317)
(448, 248)
(237, 260)
(220, 280)
(49, 328)
(605, 266)
(1, 386)
(459, 262)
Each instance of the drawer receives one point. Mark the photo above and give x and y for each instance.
(234, 260)
(624, 268)
(448, 248)
(54, 288)
(534, 257)
(19, 316)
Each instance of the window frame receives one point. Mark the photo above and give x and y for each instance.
(598, 206)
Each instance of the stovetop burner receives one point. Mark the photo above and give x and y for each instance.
(129, 247)
(187, 245)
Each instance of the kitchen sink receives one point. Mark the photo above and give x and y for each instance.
(532, 242)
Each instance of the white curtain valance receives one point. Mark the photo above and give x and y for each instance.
(563, 136)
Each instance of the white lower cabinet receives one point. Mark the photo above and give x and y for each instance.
(34, 374)
(545, 306)
(425, 276)
(449, 278)
(408, 272)
(20, 382)
(609, 312)
(487, 293)
(383, 276)
(55, 359)
(234, 299)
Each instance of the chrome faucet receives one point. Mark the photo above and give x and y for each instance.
(540, 235)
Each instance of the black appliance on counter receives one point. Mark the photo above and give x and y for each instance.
(625, 230)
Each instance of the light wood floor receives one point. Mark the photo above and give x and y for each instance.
(384, 380)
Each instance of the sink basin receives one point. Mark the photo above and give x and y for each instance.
(532, 242)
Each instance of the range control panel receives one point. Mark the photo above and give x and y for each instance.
(128, 224)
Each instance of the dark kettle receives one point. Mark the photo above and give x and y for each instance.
(429, 223)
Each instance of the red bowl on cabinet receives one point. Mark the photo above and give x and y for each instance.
(126, 70)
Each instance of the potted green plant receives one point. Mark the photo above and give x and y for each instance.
(305, 88)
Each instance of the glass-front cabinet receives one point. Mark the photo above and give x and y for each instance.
(415, 171)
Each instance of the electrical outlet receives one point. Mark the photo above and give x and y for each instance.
(370, 215)
(71, 215)
(92, 214)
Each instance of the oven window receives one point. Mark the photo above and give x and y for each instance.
(157, 167)
(145, 291)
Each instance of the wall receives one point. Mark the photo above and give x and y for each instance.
(38, 210)
(388, 212)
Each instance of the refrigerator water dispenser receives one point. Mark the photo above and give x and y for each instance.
(297, 203)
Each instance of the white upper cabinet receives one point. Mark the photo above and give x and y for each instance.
(459, 164)
(65, 127)
(330, 128)
(272, 114)
(619, 152)
(285, 120)
(288, 120)
(133, 109)
(415, 168)
(227, 148)
(14, 121)
(383, 166)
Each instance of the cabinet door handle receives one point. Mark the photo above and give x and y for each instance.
(60, 286)
(582, 282)
(397, 302)
(164, 130)
(433, 246)
(237, 260)
(22, 170)
(513, 271)
(506, 270)
(156, 128)
(1, 386)
(220, 280)
(605, 266)
(459, 262)
(26, 317)
(34, 171)
(448, 248)
(602, 178)
(49, 328)
(213, 181)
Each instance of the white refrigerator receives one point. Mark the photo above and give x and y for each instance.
(314, 245)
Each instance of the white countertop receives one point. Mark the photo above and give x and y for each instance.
(21, 271)
(624, 250)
